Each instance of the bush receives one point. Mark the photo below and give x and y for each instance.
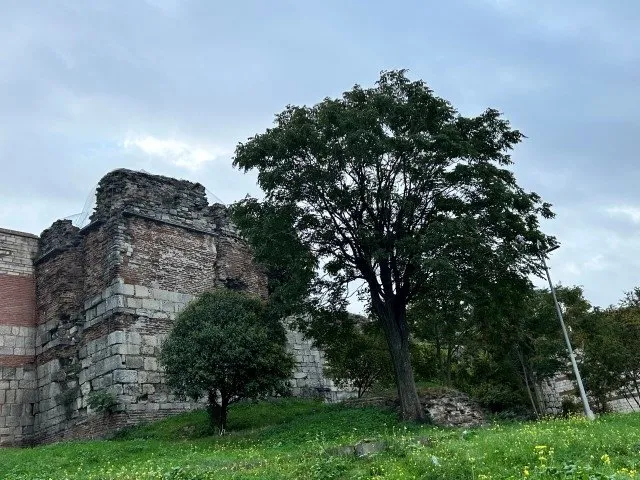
(225, 348)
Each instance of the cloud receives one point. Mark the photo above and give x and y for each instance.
(627, 211)
(180, 153)
(170, 86)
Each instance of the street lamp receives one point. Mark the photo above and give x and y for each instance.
(585, 402)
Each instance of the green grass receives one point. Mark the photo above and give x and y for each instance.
(297, 439)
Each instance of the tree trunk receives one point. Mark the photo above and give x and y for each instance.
(217, 412)
(449, 361)
(224, 408)
(213, 409)
(394, 324)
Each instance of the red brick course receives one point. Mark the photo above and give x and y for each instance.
(16, 360)
(17, 300)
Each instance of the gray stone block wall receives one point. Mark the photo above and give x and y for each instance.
(561, 388)
(124, 361)
(17, 250)
(17, 404)
(17, 340)
(308, 376)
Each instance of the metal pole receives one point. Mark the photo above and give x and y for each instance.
(585, 402)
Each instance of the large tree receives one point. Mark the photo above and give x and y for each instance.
(376, 187)
(225, 347)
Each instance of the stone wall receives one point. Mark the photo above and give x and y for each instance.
(105, 298)
(308, 376)
(168, 257)
(561, 388)
(17, 336)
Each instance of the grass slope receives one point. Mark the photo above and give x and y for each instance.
(297, 439)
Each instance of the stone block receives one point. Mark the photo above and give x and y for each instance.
(107, 292)
(150, 364)
(151, 304)
(85, 388)
(141, 291)
(125, 376)
(134, 338)
(116, 337)
(134, 361)
(111, 363)
(116, 389)
(115, 301)
(133, 302)
(148, 389)
(147, 350)
(132, 389)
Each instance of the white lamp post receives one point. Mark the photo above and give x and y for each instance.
(585, 402)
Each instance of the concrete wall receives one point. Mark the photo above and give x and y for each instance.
(17, 336)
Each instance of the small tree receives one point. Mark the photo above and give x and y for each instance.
(224, 347)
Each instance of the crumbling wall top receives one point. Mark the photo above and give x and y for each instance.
(156, 196)
(61, 234)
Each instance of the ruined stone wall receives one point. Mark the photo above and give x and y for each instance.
(17, 334)
(308, 377)
(168, 257)
(107, 296)
(60, 290)
(153, 243)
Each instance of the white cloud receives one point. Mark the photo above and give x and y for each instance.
(182, 154)
(632, 213)
(596, 263)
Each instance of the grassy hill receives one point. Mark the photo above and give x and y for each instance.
(306, 439)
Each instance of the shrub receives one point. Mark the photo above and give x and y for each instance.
(225, 348)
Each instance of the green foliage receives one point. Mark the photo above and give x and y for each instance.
(425, 361)
(225, 348)
(389, 187)
(102, 401)
(355, 352)
(610, 341)
(296, 439)
(498, 348)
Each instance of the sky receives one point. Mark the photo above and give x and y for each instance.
(171, 87)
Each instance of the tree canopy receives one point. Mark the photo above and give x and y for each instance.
(224, 347)
(387, 186)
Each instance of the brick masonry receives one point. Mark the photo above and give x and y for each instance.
(17, 336)
(97, 303)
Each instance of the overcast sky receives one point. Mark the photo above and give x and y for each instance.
(171, 86)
